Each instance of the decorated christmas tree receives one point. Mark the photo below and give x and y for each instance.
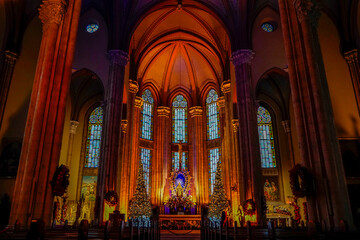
(218, 200)
(139, 207)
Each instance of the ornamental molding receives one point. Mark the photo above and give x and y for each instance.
(163, 111)
(235, 124)
(73, 126)
(52, 11)
(138, 102)
(226, 86)
(308, 10)
(286, 126)
(221, 102)
(118, 57)
(196, 111)
(10, 57)
(242, 56)
(133, 86)
(124, 124)
(351, 56)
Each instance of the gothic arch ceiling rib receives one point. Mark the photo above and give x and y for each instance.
(179, 48)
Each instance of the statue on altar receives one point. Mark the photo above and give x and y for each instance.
(180, 201)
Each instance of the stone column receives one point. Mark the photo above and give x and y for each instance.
(72, 132)
(135, 137)
(5, 79)
(287, 129)
(112, 126)
(228, 147)
(314, 120)
(352, 59)
(248, 133)
(161, 159)
(236, 147)
(200, 163)
(45, 122)
(119, 189)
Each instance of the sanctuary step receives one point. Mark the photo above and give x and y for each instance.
(180, 234)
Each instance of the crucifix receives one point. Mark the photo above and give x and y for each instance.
(180, 151)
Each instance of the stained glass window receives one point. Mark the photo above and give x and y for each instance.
(94, 138)
(212, 115)
(214, 157)
(175, 160)
(147, 115)
(92, 27)
(145, 157)
(266, 138)
(179, 119)
(267, 27)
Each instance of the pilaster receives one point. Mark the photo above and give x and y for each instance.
(352, 59)
(72, 131)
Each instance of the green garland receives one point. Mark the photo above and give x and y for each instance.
(300, 181)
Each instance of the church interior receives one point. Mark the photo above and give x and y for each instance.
(236, 111)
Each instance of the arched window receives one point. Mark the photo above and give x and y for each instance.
(212, 114)
(266, 138)
(94, 138)
(147, 115)
(179, 128)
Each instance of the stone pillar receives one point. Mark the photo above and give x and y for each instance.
(5, 79)
(72, 132)
(135, 139)
(112, 126)
(314, 120)
(228, 147)
(127, 145)
(352, 59)
(161, 159)
(119, 189)
(249, 153)
(200, 163)
(287, 129)
(45, 122)
(236, 147)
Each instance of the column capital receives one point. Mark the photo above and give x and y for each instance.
(133, 86)
(286, 126)
(52, 11)
(221, 102)
(242, 56)
(73, 126)
(351, 56)
(118, 57)
(10, 57)
(235, 124)
(308, 10)
(196, 111)
(124, 124)
(226, 86)
(138, 102)
(163, 111)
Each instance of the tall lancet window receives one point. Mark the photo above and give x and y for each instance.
(214, 157)
(147, 115)
(145, 157)
(179, 128)
(266, 138)
(94, 138)
(212, 114)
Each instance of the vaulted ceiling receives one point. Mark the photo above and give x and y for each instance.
(183, 47)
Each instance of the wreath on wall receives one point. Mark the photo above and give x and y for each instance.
(249, 207)
(300, 181)
(60, 180)
(111, 198)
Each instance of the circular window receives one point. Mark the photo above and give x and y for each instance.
(268, 27)
(92, 27)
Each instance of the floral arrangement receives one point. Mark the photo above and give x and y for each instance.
(297, 215)
(111, 198)
(180, 201)
(60, 180)
(249, 207)
(305, 211)
(300, 181)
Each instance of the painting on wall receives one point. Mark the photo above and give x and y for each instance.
(88, 193)
(271, 188)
